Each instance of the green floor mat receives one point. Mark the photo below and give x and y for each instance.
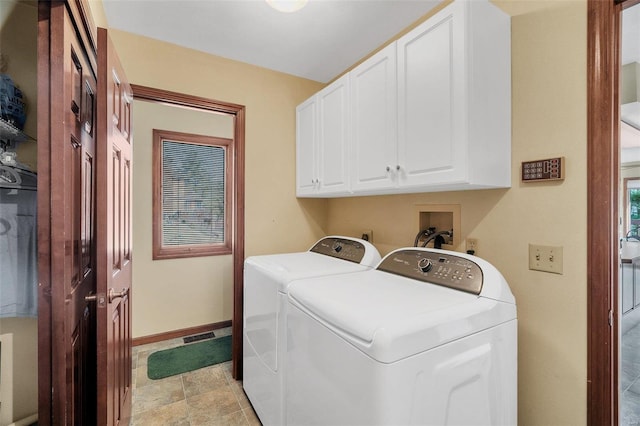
(189, 357)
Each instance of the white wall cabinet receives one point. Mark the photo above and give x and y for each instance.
(454, 100)
(431, 111)
(431, 100)
(306, 146)
(374, 122)
(322, 142)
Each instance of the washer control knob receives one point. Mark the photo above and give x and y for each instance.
(337, 247)
(425, 264)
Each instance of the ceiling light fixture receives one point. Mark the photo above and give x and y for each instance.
(287, 6)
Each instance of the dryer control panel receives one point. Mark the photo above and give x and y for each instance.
(341, 248)
(436, 268)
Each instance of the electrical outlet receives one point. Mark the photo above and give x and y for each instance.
(545, 258)
(472, 244)
(367, 235)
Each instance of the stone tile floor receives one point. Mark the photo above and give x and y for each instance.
(209, 396)
(629, 414)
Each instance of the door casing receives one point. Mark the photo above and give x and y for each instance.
(603, 69)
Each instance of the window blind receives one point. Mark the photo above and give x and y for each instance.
(193, 193)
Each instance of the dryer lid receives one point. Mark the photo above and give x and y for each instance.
(390, 317)
(287, 267)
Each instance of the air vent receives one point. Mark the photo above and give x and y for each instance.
(198, 337)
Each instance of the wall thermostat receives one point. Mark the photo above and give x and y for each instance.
(543, 170)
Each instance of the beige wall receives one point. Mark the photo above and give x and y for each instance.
(18, 44)
(25, 366)
(549, 119)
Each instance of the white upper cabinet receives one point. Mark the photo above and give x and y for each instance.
(430, 102)
(454, 100)
(373, 120)
(306, 148)
(430, 112)
(322, 142)
(333, 137)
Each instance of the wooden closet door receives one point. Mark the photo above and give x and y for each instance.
(114, 258)
(84, 222)
(66, 221)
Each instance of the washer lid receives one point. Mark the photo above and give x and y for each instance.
(284, 268)
(391, 317)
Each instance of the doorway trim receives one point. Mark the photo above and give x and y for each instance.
(237, 244)
(603, 69)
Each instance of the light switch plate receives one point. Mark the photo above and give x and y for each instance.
(545, 258)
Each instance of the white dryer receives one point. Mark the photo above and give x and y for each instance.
(428, 337)
(266, 279)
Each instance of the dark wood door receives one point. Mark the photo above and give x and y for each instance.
(113, 222)
(84, 222)
(66, 221)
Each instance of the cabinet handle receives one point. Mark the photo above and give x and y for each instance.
(398, 167)
(388, 169)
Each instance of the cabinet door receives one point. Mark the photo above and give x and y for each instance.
(627, 287)
(373, 119)
(431, 112)
(306, 139)
(333, 137)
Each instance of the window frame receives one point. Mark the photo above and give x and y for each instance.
(161, 251)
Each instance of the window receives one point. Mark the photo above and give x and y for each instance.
(632, 208)
(191, 197)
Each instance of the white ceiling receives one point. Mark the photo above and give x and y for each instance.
(318, 42)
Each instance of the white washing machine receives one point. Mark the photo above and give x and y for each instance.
(266, 279)
(428, 337)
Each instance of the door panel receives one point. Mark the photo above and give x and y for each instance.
(66, 242)
(114, 258)
(84, 240)
(80, 151)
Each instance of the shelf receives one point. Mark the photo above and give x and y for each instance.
(10, 133)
